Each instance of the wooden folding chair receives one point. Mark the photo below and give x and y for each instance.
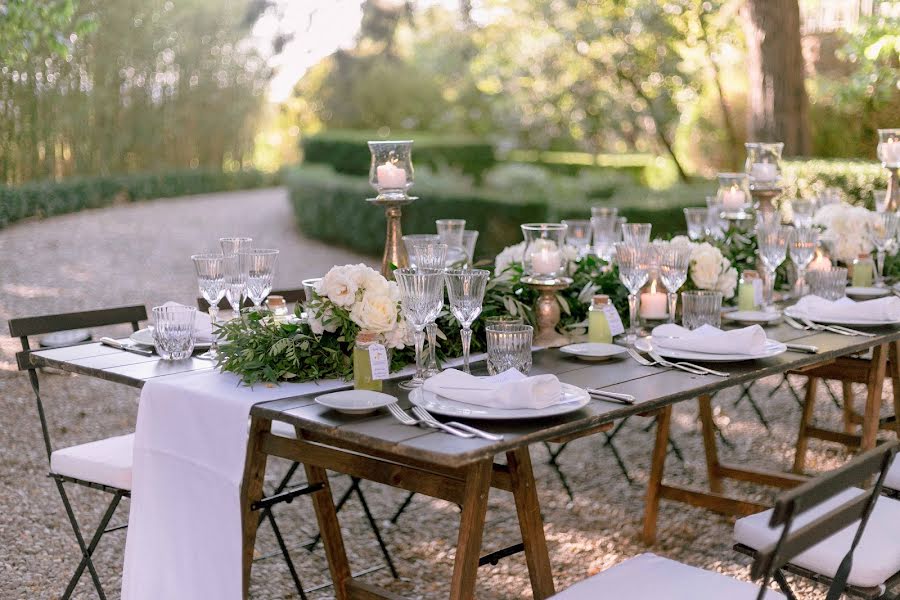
(103, 465)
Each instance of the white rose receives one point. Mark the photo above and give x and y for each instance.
(682, 240)
(399, 337)
(706, 266)
(509, 255)
(375, 312)
(368, 279)
(728, 281)
(339, 286)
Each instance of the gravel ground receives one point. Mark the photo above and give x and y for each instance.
(114, 256)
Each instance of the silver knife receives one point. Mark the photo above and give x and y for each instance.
(108, 341)
(803, 348)
(613, 396)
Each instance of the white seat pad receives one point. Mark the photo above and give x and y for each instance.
(876, 558)
(892, 479)
(651, 577)
(283, 429)
(107, 462)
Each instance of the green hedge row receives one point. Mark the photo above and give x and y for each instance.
(857, 179)
(347, 152)
(48, 198)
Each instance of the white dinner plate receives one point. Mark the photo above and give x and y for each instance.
(593, 351)
(773, 348)
(355, 402)
(867, 292)
(576, 398)
(792, 311)
(144, 337)
(753, 317)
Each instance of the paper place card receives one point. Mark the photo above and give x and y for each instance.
(615, 321)
(379, 361)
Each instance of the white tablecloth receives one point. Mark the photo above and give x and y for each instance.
(184, 526)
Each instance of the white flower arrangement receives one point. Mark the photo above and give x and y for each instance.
(359, 295)
(846, 230)
(709, 269)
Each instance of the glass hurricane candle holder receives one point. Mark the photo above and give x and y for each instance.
(544, 260)
(889, 148)
(734, 194)
(763, 164)
(391, 171)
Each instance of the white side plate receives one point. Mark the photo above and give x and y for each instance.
(575, 399)
(355, 402)
(753, 317)
(593, 351)
(867, 292)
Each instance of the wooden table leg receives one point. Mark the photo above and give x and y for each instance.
(874, 386)
(709, 443)
(530, 523)
(330, 529)
(894, 358)
(848, 406)
(252, 491)
(657, 468)
(809, 405)
(471, 529)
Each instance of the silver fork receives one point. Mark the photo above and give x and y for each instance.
(794, 323)
(688, 365)
(429, 418)
(640, 359)
(832, 328)
(430, 421)
(659, 362)
(404, 418)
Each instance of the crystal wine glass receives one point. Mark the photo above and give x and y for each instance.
(883, 232)
(697, 220)
(636, 233)
(235, 245)
(234, 282)
(716, 223)
(603, 223)
(430, 255)
(421, 300)
(772, 241)
(258, 267)
(803, 244)
(634, 261)
(465, 287)
(674, 261)
(211, 281)
(578, 235)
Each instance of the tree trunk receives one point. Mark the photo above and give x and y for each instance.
(778, 107)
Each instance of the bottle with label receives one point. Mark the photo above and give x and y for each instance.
(749, 290)
(598, 326)
(362, 363)
(863, 271)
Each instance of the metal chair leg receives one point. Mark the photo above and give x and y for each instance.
(374, 526)
(838, 403)
(402, 508)
(286, 554)
(779, 578)
(785, 380)
(610, 435)
(556, 468)
(86, 550)
(747, 392)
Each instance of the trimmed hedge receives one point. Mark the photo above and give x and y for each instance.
(48, 198)
(858, 179)
(347, 152)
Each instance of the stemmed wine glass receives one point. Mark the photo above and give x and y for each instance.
(772, 241)
(803, 244)
(465, 287)
(636, 233)
(603, 223)
(634, 261)
(234, 282)
(211, 281)
(258, 268)
(883, 232)
(421, 300)
(674, 261)
(430, 255)
(235, 245)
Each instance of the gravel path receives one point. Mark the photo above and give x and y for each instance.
(139, 254)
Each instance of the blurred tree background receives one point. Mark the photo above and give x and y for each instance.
(99, 87)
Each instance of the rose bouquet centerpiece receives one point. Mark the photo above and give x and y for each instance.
(709, 268)
(845, 230)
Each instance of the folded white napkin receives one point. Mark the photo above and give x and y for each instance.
(202, 324)
(880, 309)
(510, 389)
(711, 340)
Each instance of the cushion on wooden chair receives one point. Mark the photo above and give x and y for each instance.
(107, 462)
(892, 479)
(651, 577)
(876, 558)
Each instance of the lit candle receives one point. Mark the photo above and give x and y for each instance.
(764, 171)
(654, 305)
(546, 260)
(820, 262)
(390, 177)
(733, 199)
(890, 152)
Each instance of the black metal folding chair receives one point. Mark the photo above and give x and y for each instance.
(285, 492)
(104, 465)
(647, 576)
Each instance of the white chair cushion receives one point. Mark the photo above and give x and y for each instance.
(876, 558)
(283, 429)
(651, 577)
(107, 462)
(892, 479)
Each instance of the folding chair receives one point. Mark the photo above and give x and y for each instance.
(284, 492)
(103, 465)
(649, 577)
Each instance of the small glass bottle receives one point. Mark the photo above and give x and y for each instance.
(362, 365)
(749, 290)
(598, 325)
(863, 271)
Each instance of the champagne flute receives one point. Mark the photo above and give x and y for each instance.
(465, 287)
(211, 281)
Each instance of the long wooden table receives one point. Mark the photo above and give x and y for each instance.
(380, 449)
